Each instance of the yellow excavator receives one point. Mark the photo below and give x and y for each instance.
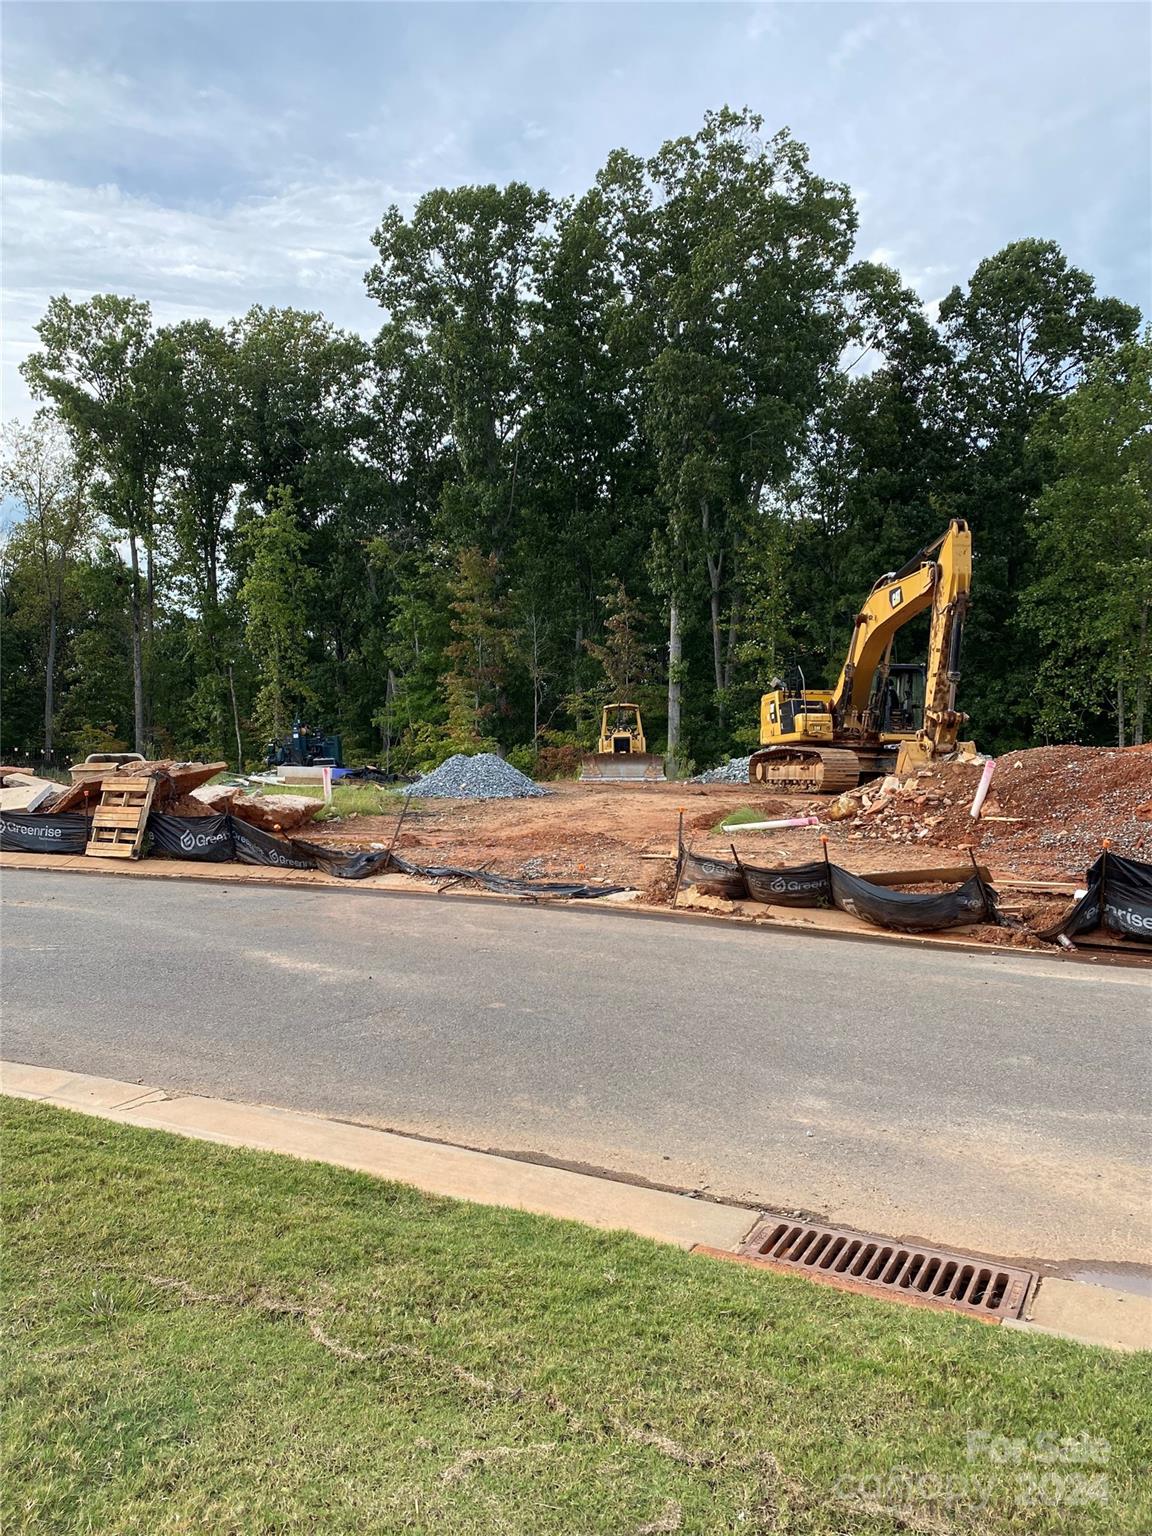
(882, 716)
(621, 753)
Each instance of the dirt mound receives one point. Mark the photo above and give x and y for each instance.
(1061, 802)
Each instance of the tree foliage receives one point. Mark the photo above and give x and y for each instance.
(659, 438)
(1091, 600)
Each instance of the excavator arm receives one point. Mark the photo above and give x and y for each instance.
(940, 578)
(950, 599)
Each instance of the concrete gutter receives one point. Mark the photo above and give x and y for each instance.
(1089, 1314)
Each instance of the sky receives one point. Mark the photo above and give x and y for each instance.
(211, 156)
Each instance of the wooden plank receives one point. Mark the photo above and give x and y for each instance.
(121, 818)
(1052, 887)
(952, 874)
(117, 816)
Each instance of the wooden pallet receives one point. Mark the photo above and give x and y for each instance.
(119, 822)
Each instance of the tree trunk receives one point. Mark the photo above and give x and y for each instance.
(1141, 681)
(675, 653)
(50, 684)
(150, 670)
(236, 722)
(733, 636)
(137, 648)
(715, 571)
(714, 567)
(1120, 713)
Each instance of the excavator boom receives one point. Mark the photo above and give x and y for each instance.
(811, 738)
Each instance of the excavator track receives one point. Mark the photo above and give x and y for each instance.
(805, 770)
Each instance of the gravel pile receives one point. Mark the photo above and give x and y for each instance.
(734, 771)
(482, 777)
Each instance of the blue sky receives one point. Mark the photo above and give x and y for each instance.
(211, 156)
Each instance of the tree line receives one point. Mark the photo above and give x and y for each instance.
(655, 442)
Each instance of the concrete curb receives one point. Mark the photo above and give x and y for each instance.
(434, 1167)
(781, 924)
(1086, 1314)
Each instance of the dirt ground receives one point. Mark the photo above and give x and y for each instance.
(604, 832)
(1043, 824)
(595, 831)
(1046, 816)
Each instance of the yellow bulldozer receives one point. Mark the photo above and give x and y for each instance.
(621, 754)
(882, 716)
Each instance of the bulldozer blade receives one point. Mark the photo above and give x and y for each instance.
(621, 768)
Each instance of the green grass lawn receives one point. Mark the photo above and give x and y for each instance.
(211, 1341)
(347, 799)
(739, 818)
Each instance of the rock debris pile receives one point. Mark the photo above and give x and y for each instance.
(1056, 801)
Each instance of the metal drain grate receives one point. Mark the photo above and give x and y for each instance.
(879, 1265)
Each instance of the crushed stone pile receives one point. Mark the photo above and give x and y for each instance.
(481, 777)
(734, 771)
(1057, 802)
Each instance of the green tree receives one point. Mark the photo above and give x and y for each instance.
(867, 488)
(1023, 336)
(478, 651)
(42, 472)
(274, 598)
(111, 385)
(1090, 601)
(204, 474)
(299, 407)
(622, 655)
(741, 256)
(458, 274)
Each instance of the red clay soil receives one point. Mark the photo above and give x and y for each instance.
(610, 832)
(1048, 809)
(1067, 800)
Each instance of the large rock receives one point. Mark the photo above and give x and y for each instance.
(276, 813)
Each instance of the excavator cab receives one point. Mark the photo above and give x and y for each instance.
(897, 705)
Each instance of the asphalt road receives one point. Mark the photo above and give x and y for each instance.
(993, 1102)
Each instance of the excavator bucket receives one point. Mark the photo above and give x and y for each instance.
(621, 768)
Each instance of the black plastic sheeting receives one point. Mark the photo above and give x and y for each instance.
(906, 912)
(187, 837)
(1118, 899)
(254, 846)
(819, 884)
(718, 877)
(806, 885)
(506, 885)
(23, 833)
(347, 866)
(207, 839)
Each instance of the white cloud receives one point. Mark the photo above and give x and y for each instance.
(852, 42)
(110, 104)
(210, 157)
(306, 244)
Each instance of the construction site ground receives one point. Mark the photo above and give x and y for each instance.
(1044, 821)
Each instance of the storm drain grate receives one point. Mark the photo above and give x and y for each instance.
(877, 1264)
